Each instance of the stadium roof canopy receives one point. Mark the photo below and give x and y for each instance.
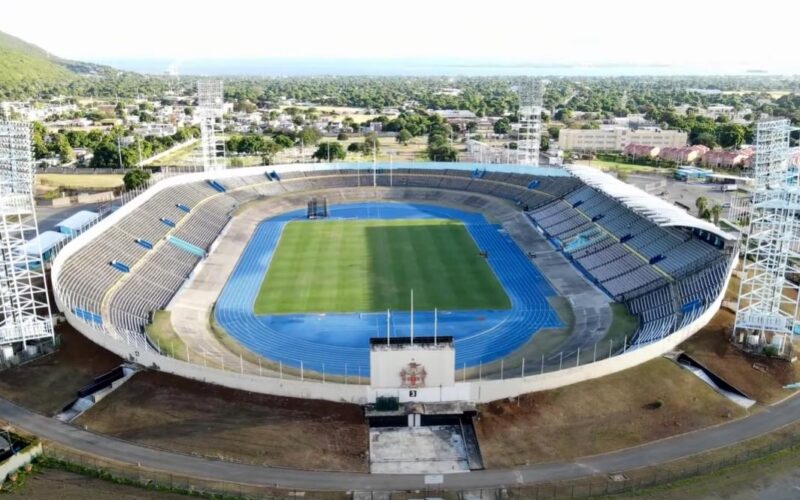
(46, 241)
(77, 221)
(661, 212)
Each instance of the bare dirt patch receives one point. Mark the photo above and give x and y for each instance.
(711, 347)
(49, 383)
(53, 483)
(652, 401)
(177, 414)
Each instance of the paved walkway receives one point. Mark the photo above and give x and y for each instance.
(650, 454)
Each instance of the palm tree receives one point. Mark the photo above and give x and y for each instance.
(716, 211)
(701, 203)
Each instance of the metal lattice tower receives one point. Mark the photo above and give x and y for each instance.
(209, 110)
(766, 302)
(24, 307)
(531, 97)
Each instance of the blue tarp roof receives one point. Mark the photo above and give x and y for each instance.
(48, 240)
(79, 220)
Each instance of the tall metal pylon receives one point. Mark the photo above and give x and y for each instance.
(768, 300)
(531, 98)
(209, 110)
(24, 305)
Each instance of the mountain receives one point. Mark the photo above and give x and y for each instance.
(23, 64)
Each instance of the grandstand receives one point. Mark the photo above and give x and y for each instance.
(668, 268)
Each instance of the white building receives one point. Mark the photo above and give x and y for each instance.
(616, 138)
(156, 129)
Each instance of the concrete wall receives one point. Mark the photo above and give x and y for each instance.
(22, 458)
(64, 201)
(387, 362)
(349, 393)
(96, 197)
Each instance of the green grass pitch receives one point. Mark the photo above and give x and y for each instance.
(371, 265)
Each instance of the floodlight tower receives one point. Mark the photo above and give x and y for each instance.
(24, 307)
(531, 98)
(768, 300)
(209, 109)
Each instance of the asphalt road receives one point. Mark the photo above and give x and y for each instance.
(69, 436)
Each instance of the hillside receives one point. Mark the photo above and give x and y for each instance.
(24, 67)
(23, 62)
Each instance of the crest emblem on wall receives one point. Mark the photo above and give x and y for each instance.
(413, 375)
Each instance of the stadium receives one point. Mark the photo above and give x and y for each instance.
(279, 279)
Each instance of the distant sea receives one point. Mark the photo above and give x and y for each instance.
(414, 67)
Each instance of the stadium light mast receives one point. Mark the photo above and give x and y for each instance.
(768, 300)
(209, 110)
(24, 305)
(531, 97)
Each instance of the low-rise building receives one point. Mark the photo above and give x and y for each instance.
(683, 155)
(616, 138)
(156, 129)
(720, 158)
(641, 151)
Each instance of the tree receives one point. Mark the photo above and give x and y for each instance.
(105, 155)
(329, 151)
(502, 126)
(403, 137)
(563, 114)
(271, 148)
(544, 143)
(716, 211)
(40, 149)
(553, 132)
(355, 147)
(371, 143)
(701, 203)
(62, 148)
(472, 127)
(283, 140)
(310, 136)
(731, 135)
(342, 136)
(136, 178)
(706, 139)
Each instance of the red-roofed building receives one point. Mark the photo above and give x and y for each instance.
(728, 159)
(641, 151)
(683, 155)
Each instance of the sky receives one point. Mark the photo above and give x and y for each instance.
(578, 32)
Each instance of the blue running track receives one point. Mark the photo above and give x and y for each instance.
(341, 341)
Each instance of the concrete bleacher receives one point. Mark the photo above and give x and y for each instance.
(664, 275)
(198, 211)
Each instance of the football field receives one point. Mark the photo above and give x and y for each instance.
(371, 265)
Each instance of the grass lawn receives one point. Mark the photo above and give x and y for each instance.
(163, 334)
(371, 265)
(95, 181)
(606, 165)
(623, 325)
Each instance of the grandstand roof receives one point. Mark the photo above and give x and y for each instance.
(79, 220)
(661, 212)
(46, 241)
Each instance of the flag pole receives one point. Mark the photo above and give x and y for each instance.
(412, 316)
(435, 323)
(388, 320)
